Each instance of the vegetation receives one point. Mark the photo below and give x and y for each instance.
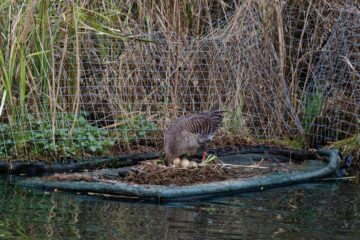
(37, 139)
(349, 146)
(283, 70)
(132, 129)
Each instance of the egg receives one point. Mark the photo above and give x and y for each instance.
(185, 163)
(193, 164)
(177, 161)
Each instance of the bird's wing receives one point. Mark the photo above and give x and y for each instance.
(203, 125)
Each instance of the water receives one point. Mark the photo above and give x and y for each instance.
(311, 211)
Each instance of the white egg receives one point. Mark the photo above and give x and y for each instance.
(193, 164)
(177, 161)
(185, 163)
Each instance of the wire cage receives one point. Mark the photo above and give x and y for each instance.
(283, 70)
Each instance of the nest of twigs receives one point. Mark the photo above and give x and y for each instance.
(155, 174)
(152, 173)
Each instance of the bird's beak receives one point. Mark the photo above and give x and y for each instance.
(203, 156)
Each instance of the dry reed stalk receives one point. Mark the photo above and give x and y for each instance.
(28, 20)
(294, 71)
(76, 102)
(281, 39)
(254, 58)
(265, 20)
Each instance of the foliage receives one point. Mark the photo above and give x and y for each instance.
(6, 142)
(348, 145)
(37, 138)
(210, 158)
(255, 59)
(313, 104)
(294, 142)
(135, 127)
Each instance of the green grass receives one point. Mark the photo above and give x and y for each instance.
(210, 158)
(313, 106)
(348, 145)
(293, 143)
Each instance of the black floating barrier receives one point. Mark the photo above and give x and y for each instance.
(41, 167)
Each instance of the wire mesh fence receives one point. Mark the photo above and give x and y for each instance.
(281, 70)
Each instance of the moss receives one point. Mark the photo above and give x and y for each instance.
(293, 143)
(347, 146)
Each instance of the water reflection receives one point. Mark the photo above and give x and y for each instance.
(313, 211)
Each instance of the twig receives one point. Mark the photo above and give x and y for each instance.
(244, 166)
(338, 178)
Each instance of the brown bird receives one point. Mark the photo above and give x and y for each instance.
(189, 133)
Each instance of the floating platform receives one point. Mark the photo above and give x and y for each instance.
(304, 168)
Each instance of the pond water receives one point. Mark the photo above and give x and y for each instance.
(307, 211)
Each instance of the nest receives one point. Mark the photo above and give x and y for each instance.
(154, 174)
(151, 173)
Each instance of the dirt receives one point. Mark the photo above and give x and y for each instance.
(70, 177)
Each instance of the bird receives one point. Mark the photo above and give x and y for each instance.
(188, 133)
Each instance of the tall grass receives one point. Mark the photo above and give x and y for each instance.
(131, 67)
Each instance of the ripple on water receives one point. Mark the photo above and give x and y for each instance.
(312, 211)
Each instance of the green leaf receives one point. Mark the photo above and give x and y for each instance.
(93, 148)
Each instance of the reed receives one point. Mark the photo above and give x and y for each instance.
(130, 67)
